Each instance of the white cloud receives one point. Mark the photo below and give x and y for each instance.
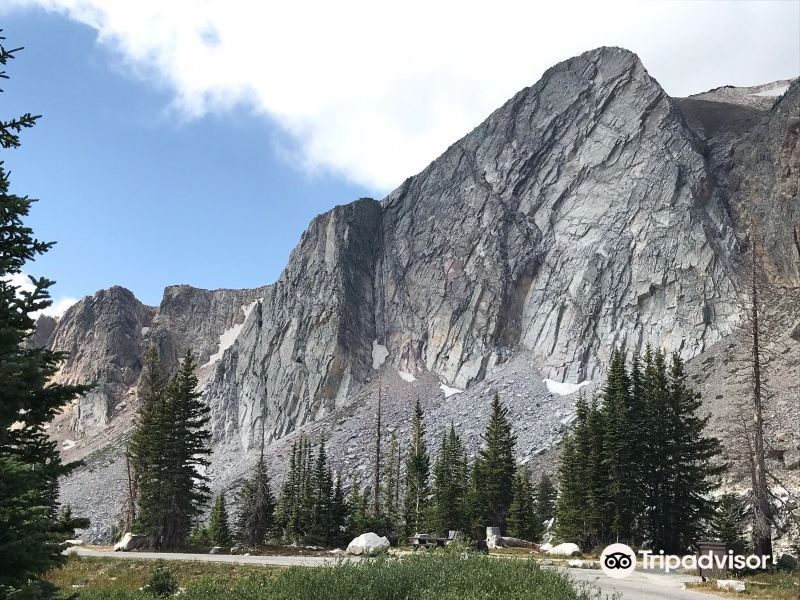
(55, 310)
(374, 92)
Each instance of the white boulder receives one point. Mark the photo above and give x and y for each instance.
(731, 585)
(545, 547)
(368, 544)
(129, 541)
(568, 549)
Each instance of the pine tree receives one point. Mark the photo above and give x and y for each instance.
(524, 521)
(391, 488)
(168, 451)
(417, 473)
(726, 526)
(147, 449)
(296, 503)
(189, 436)
(690, 453)
(31, 532)
(256, 517)
(341, 512)
(573, 506)
(256, 504)
(618, 450)
(323, 524)
(218, 529)
(654, 390)
(449, 491)
(496, 466)
(546, 498)
(357, 508)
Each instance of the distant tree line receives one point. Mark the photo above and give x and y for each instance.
(636, 468)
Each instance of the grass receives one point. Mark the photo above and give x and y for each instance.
(444, 576)
(113, 575)
(776, 585)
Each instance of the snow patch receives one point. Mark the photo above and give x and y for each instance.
(379, 354)
(406, 376)
(563, 388)
(449, 391)
(229, 336)
(778, 91)
(68, 444)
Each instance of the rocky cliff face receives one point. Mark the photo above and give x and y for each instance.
(591, 210)
(583, 214)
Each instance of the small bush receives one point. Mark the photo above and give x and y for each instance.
(162, 583)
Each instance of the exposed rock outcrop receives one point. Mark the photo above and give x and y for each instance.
(589, 211)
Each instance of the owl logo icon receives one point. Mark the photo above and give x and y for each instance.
(618, 561)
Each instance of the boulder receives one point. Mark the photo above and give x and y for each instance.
(368, 544)
(237, 550)
(129, 541)
(497, 541)
(215, 550)
(795, 333)
(568, 549)
(791, 459)
(788, 561)
(731, 585)
(579, 564)
(545, 547)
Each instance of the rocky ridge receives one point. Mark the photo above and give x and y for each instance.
(591, 210)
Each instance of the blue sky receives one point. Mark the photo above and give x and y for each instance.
(135, 195)
(192, 142)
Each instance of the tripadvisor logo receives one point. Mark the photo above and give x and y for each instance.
(618, 561)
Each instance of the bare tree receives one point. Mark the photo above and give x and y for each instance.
(377, 484)
(763, 517)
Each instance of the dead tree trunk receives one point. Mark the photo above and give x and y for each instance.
(377, 486)
(762, 507)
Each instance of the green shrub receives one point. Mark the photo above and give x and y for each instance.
(162, 583)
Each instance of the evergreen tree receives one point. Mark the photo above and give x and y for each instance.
(256, 504)
(573, 506)
(341, 512)
(619, 451)
(31, 532)
(358, 508)
(218, 529)
(727, 524)
(449, 492)
(169, 449)
(190, 437)
(649, 425)
(296, 503)
(323, 524)
(391, 488)
(496, 466)
(690, 453)
(146, 449)
(524, 521)
(417, 473)
(546, 498)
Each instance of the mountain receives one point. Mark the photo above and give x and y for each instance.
(591, 210)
